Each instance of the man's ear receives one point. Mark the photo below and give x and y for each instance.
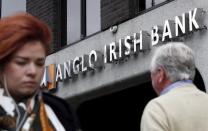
(162, 74)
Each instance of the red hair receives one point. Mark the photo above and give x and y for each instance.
(16, 30)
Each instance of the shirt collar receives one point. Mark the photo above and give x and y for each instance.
(174, 85)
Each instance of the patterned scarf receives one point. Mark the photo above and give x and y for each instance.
(44, 119)
(35, 117)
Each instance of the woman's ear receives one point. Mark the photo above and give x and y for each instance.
(1, 76)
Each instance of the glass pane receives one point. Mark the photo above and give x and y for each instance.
(73, 21)
(93, 16)
(149, 3)
(159, 1)
(10, 7)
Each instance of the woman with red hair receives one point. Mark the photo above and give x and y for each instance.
(24, 45)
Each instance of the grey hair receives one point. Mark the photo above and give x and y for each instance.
(177, 59)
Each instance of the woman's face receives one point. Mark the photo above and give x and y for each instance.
(24, 70)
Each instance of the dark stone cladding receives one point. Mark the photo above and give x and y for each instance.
(114, 12)
(53, 12)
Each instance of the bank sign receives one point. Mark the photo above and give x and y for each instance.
(129, 45)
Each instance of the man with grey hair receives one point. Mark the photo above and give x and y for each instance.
(180, 105)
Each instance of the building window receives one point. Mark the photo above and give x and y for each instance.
(86, 17)
(10, 7)
(114, 12)
(83, 19)
(73, 20)
(93, 16)
(150, 3)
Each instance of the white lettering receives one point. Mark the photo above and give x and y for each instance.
(166, 31)
(95, 59)
(137, 40)
(59, 71)
(128, 44)
(113, 51)
(121, 49)
(180, 23)
(154, 35)
(192, 20)
(67, 69)
(85, 63)
(76, 65)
